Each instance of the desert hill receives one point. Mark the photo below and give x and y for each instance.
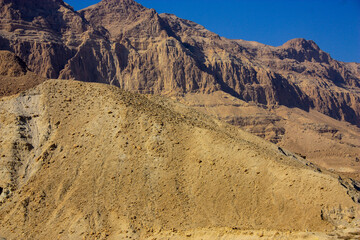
(81, 160)
(87, 160)
(166, 51)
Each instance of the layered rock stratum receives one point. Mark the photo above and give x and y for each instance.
(76, 166)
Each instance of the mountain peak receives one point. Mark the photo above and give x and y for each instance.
(124, 18)
(302, 49)
(120, 1)
(115, 4)
(301, 43)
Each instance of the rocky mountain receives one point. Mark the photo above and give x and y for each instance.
(91, 161)
(50, 37)
(249, 71)
(125, 44)
(327, 142)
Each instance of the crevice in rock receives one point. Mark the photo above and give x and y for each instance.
(353, 188)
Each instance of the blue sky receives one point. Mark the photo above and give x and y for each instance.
(333, 24)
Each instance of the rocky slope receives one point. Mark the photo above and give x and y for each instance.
(81, 160)
(324, 141)
(125, 44)
(172, 56)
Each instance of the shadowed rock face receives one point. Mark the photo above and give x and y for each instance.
(15, 77)
(52, 15)
(11, 65)
(123, 43)
(47, 35)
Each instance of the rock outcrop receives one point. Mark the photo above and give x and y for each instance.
(15, 76)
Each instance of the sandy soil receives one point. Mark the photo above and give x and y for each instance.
(90, 161)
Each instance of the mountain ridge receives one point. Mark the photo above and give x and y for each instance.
(298, 49)
(141, 33)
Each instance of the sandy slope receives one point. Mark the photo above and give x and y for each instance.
(329, 143)
(81, 160)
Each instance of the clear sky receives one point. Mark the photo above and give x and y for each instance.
(333, 24)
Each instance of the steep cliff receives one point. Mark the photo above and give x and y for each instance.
(297, 74)
(125, 44)
(48, 34)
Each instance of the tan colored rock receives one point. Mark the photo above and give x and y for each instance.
(297, 74)
(47, 34)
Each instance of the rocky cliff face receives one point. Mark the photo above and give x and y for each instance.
(49, 35)
(297, 74)
(123, 43)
